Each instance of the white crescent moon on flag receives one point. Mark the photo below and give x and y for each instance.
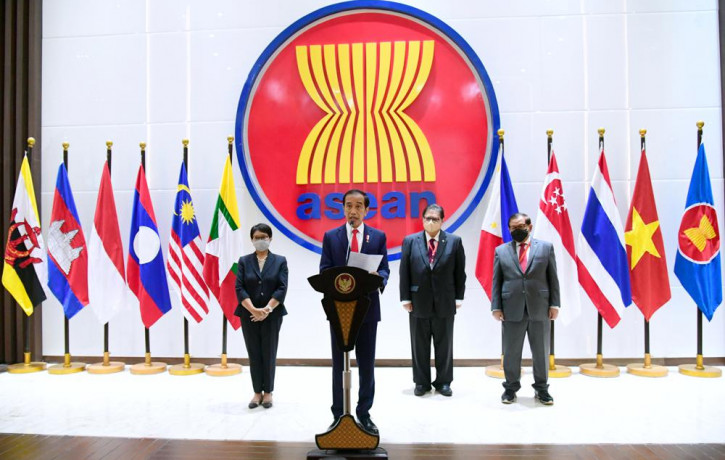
(551, 177)
(146, 244)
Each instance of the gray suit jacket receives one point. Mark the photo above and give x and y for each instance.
(537, 289)
(433, 291)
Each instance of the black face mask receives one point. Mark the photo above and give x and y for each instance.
(519, 234)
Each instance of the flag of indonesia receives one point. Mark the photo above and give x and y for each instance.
(553, 225)
(494, 230)
(108, 291)
(186, 260)
(601, 255)
(146, 273)
(68, 260)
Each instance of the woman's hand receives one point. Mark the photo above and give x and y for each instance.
(258, 314)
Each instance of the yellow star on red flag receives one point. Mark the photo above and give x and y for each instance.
(640, 238)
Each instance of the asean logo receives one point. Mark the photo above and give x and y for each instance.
(699, 235)
(371, 95)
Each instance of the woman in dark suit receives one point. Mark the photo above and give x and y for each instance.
(261, 287)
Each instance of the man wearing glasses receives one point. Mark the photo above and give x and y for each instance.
(432, 284)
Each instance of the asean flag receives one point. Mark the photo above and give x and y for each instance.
(494, 230)
(67, 251)
(146, 273)
(697, 263)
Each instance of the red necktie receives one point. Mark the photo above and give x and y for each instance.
(353, 243)
(431, 250)
(522, 256)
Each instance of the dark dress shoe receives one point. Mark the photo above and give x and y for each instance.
(544, 398)
(445, 390)
(368, 425)
(508, 397)
(253, 404)
(267, 404)
(420, 390)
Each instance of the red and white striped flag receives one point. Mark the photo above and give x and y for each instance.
(186, 259)
(553, 225)
(107, 289)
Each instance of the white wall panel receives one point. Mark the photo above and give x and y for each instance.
(161, 70)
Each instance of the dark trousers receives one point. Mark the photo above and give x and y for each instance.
(261, 339)
(513, 344)
(365, 356)
(440, 330)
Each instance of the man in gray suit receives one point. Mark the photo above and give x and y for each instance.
(432, 283)
(525, 296)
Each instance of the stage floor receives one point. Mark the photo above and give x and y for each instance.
(626, 410)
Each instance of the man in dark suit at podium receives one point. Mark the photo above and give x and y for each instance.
(525, 296)
(337, 244)
(432, 284)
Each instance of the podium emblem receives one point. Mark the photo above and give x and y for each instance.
(344, 283)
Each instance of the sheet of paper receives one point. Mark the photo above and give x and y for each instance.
(368, 262)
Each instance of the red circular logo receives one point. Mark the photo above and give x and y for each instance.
(374, 96)
(699, 236)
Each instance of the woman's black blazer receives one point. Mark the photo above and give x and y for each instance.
(258, 286)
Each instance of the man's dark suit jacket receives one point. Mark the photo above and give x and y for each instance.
(433, 291)
(261, 287)
(536, 290)
(335, 252)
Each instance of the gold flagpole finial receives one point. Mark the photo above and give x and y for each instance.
(65, 145)
(109, 144)
(699, 124)
(185, 142)
(500, 133)
(549, 133)
(230, 139)
(601, 132)
(642, 132)
(31, 142)
(142, 145)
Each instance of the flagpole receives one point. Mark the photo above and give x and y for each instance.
(646, 369)
(496, 370)
(187, 368)
(699, 369)
(67, 367)
(225, 368)
(107, 366)
(555, 370)
(148, 366)
(28, 365)
(599, 369)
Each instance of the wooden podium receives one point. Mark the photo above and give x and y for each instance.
(345, 303)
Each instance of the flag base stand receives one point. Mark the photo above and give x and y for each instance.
(27, 366)
(647, 369)
(599, 369)
(700, 370)
(558, 371)
(67, 367)
(107, 366)
(224, 368)
(148, 367)
(188, 368)
(496, 370)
